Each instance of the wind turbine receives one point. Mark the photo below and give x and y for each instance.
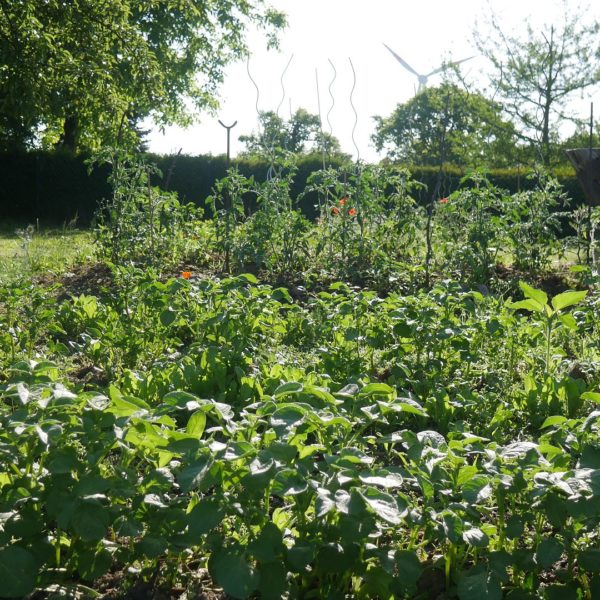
(424, 78)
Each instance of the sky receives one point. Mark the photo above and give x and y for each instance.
(350, 34)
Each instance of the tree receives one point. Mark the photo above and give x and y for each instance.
(300, 134)
(82, 73)
(475, 132)
(537, 74)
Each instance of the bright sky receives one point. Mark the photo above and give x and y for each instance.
(423, 33)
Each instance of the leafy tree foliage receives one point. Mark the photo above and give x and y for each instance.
(300, 134)
(536, 74)
(474, 130)
(80, 73)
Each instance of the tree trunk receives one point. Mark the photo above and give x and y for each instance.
(68, 139)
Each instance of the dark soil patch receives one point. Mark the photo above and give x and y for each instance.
(89, 279)
(552, 283)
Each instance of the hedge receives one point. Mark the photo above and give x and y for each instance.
(56, 188)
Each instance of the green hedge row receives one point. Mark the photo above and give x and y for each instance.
(57, 188)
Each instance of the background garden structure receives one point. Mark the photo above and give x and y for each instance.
(57, 188)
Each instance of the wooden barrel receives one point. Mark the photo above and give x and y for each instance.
(587, 168)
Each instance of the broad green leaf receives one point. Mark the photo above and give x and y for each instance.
(548, 552)
(537, 295)
(475, 537)
(478, 584)
(167, 316)
(566, 299)
(92, 564)
(192, 475)
(90, 521)
(589, 560)
(247, 278)
(592, 396)
(273, 581)
(196, 423)
(284, 419)
(568, 320)
(555, 420)
(268, 546)
(409, 570)
(290, 387)
(206, 515)
(18, 572)
(289, 483)
(334, 558)
(377, 389)
(260, 475)
(231, 569)
(382, 504)
(527, 305)
(384, 480)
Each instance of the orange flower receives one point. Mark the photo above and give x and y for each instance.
(443, 200)
(342, 201)
(335, 210)
(186, 274)
(352, 212)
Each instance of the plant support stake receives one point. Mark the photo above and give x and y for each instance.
(228, 205)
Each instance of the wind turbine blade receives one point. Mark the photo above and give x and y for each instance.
(402, 62)
(452, 63)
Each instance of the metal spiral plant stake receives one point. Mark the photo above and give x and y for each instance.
(358, 200)
(331, 96)
(273, 172)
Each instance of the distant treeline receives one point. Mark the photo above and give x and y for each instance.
(55, 187)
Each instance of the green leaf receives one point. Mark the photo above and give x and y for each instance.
(548, 552)
(196, 423)
(90, 521)
(566, 299)
(592, 396)
(568, 320)
(382, 504)
(290, 387)
(589, 560)
(247, 278)
(536, 295)
(230, 568)
(273, 581)
(527, 305)
(268, 546)
(284, 419)
(167, 316)
(192, 475)
(92, 564)
(18, 572)
(478, 584)
(288, 483)
(206, 515)
(409, 569)
(555, 420)
(475, 537)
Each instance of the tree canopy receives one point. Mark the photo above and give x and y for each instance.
(474, 134)
(301, 133)
(535, 74)
(82, 73)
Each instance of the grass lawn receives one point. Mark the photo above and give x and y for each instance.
(36, 251)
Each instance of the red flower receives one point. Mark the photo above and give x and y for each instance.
(443, 200)
(352, 212)
(335, 210)
(186, 274)
(342, 201)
